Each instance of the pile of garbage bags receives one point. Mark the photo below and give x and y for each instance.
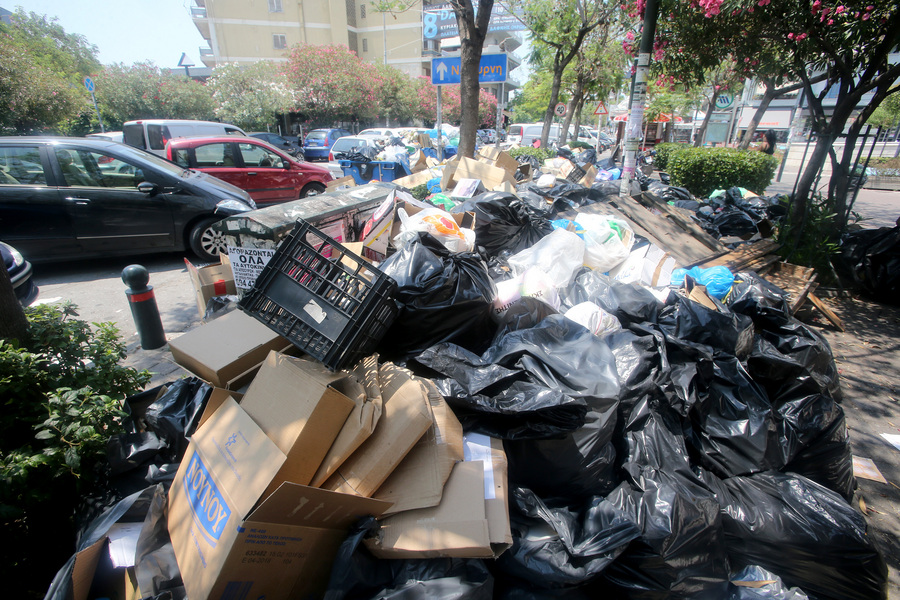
(658, 447)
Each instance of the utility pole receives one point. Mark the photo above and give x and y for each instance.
(638, 96)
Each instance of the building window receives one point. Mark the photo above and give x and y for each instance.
(365, 45)
(362, 11)
(279, 42)
(275, 6)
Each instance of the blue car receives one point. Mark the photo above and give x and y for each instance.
(319, 141)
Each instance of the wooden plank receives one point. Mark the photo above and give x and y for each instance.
(829, 314)
(743, 256)
(653, 202)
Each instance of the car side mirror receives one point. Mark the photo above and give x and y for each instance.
(147, 187)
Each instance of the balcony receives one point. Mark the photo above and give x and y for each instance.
(198, 12)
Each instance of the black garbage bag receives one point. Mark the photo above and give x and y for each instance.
(361, 154)
(681, 550)
(443, 297)
(688, 323)
(607, 189)
(586, 157)
(691, 205)
(678, 194)
(803, 532)
(155, 566)
(526, 159)
(156, 432)
(587, 286)
(565, 153)
(534, 383)
(557, 546)
(870, 258)
(524, 313)
(357, 575)
(503, 222)
(565, 193)
(735, 222)
(536, 203)
(763, 302)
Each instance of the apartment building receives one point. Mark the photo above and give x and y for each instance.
(245, 31)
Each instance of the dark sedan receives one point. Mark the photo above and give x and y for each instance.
(73, 198)
(19, 271)
(288, 145)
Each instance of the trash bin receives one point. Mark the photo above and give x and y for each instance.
(364, 172)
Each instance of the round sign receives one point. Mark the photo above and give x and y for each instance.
(89, 84)
(560, 110)
(724, 101)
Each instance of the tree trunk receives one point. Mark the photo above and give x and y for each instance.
(472, 32)
(577, 93)
(578, 109)
(554, 98)
(757, 117)
(701, 133)
(13, 325)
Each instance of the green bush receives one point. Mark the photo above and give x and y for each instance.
(703, 170)
(541, 154)
(61, 389)
(664, 151)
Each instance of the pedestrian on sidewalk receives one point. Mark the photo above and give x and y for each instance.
(767, 146)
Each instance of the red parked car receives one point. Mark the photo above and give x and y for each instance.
(269, 175)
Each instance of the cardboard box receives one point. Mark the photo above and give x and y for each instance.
(418, 481)
(571, 172)
(419, 177)
(526, 171)
(301, 406)
(232, 540)
(405, 419)
(467, 189)
(210, 281)
(226, 352)
(471, 521)
(496, 157)
(359, 425)
(341, 183)
(648, 265)
(467, 168)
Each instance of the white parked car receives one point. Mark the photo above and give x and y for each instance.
(346, 143)
(382, 133)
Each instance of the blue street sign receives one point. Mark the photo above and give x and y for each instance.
(89, 84)
(445, 71)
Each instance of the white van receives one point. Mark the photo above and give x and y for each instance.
(524, 134)
(152, 134)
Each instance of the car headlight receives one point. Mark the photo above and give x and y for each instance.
(236, 205)
(18, 259)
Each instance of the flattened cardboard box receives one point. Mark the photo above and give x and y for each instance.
(467, 168)
(226, 352)
(418, 481)
(405, 418)
(230, 539)
(301, 406)
(471, 521)
(495, 157)
(210, 281)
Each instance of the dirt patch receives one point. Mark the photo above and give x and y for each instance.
(868, 359)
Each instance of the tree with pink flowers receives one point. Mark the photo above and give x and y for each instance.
(834, 49)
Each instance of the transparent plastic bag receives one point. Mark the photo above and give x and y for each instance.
(439, 224)
(594, 318)
(607, 241)
(559, 255)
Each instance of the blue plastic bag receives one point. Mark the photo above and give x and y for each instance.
(718, 280)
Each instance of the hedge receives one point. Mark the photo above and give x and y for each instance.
(664, 151)
(703, 170)
(539, 153)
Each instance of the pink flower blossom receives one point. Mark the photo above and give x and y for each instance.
(866, 16)
(629, 36)
(790, 36)
(840, 9)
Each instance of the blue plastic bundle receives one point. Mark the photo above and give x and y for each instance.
(718, 280)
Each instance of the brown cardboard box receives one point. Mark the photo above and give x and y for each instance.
(570, 171)
(467, 168)
(359, 425)
(229, 537)
(419, 177)
(405, 419)
(226, 352)
(496, 157)
(210, 281)
(471, 521)
(341, 183)
(418, 481)
(301, 406)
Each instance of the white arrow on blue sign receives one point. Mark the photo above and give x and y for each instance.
(445, 71)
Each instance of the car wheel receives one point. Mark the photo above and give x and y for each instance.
(312, 189)
(205, 242)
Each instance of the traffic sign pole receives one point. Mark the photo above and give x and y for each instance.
(89, 84)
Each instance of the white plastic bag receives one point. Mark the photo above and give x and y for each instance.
(559, 255)
(533, 283)
(439, 224)
(594, 318)
(607, 241)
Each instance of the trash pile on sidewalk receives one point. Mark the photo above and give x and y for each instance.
(527, 387)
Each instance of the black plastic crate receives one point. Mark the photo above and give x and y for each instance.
(327, 301)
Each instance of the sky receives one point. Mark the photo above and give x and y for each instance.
(126, 31)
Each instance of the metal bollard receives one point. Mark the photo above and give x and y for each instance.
(143, 307)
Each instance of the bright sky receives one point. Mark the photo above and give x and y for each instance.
(126, 31)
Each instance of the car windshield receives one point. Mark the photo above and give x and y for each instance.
(316, 135)
(346, 143)
(129, 152)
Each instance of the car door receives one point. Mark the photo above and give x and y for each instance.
(218, 159)
(34, 218)
(267, 180)
(108, 212)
